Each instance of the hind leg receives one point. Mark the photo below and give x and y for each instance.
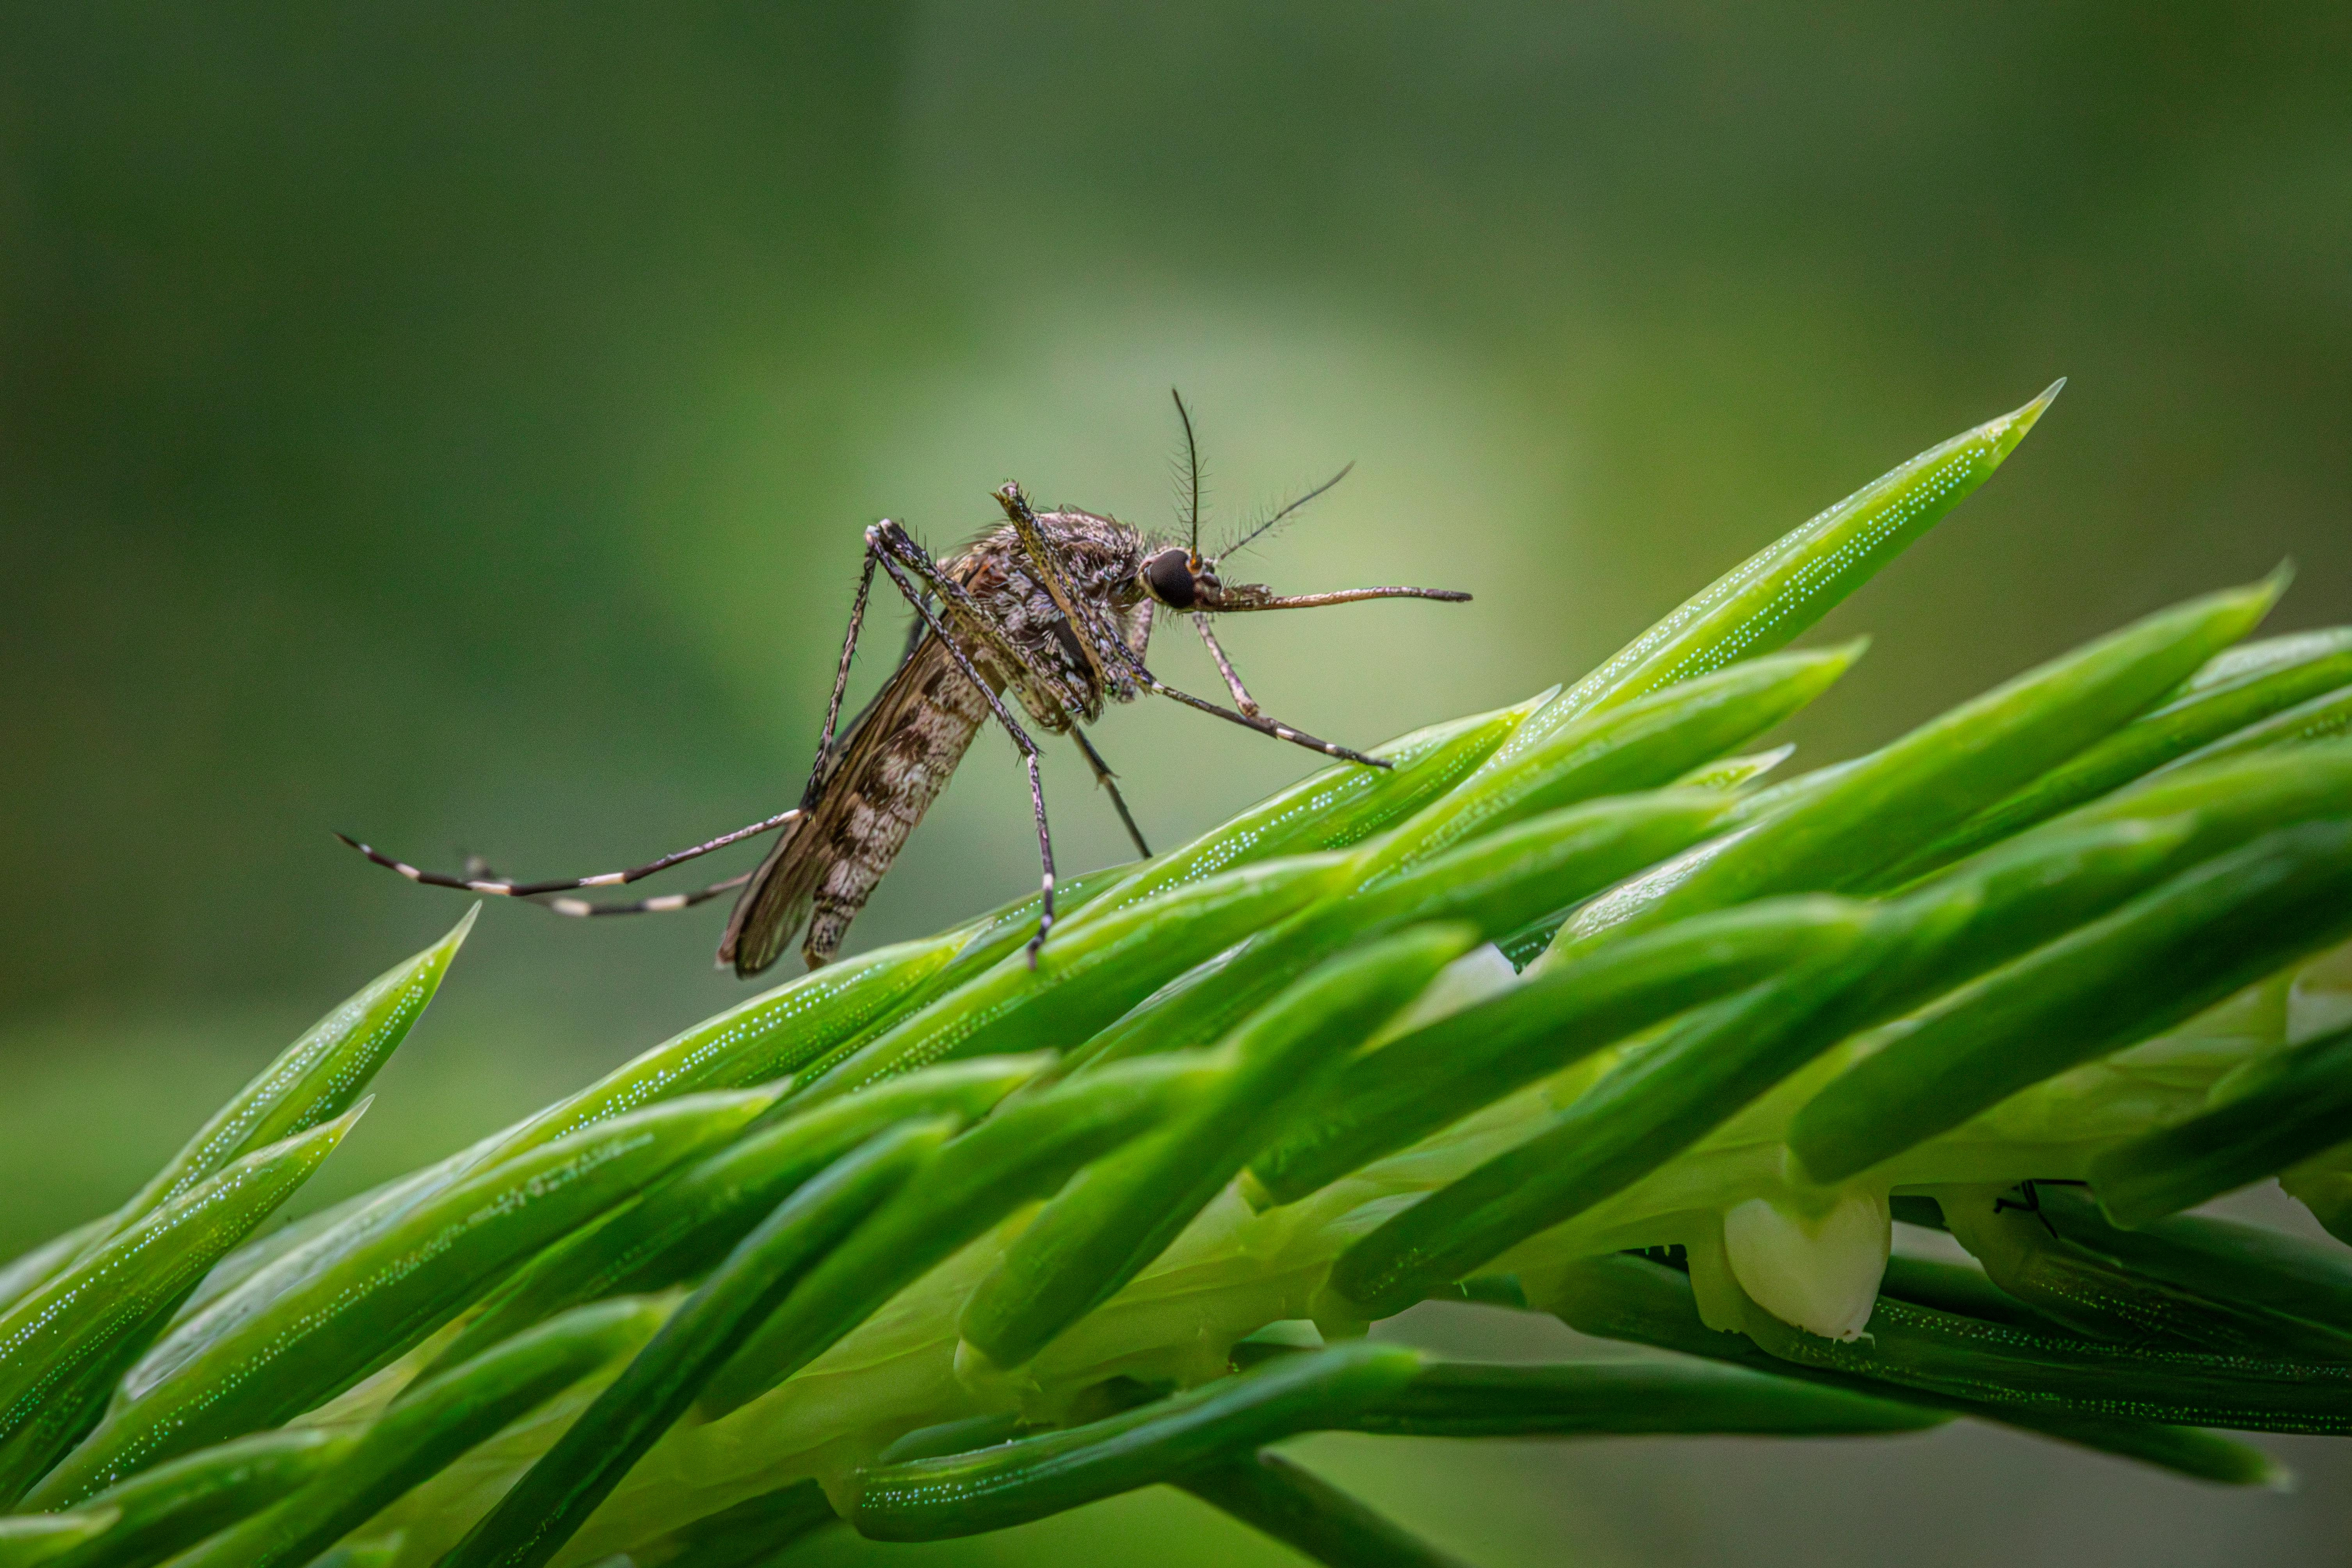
(899, 546)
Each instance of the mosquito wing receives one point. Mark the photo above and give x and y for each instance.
(892, 763)
(771, 905)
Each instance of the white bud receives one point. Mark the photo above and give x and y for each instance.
(1817, 1271)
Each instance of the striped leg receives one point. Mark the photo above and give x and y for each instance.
(479, 869)
(499, 888)
(662, 905)
(840, 684)
(1242, 699)
(1109, 781)
(1259, 723)
(889, 543)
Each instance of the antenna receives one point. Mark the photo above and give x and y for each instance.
(1192, 476)
(1243, 542)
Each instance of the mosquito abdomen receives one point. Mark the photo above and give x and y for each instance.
(895, 782)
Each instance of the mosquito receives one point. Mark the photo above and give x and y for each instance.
(1055, 607)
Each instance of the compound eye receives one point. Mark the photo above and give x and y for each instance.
(1169, 576)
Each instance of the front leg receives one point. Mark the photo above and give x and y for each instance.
(1104, 649)
(891, 542)
(1258, 722)
(885, 541)
(1126, 667)
(1242, 699)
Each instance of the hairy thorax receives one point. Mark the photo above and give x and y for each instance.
(1100, 556)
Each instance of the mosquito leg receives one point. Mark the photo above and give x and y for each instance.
(1251, 720)
(1261, 724)
(660, 906)
(840, 683)
(1242, 699)
(905, 551)
(1098, 639)
(499, 888)
(1258, 722)
(1109, 781)
(900, 556)
(1105, 644)
(876, 542)
(897, 546)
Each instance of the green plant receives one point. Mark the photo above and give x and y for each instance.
(1564, 1013)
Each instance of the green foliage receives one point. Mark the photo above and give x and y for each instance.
(179, 1503)
(935, 1242)
(437, 1418)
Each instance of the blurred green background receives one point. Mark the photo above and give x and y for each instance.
(455, 424)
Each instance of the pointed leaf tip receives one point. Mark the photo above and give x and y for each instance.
(2253, 601)
(1847, 653)
(2010, 428)
(1783, 589)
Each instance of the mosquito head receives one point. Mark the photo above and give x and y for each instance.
(1181, 580)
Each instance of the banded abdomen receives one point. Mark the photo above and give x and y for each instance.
(893, 763)
(884, 789)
